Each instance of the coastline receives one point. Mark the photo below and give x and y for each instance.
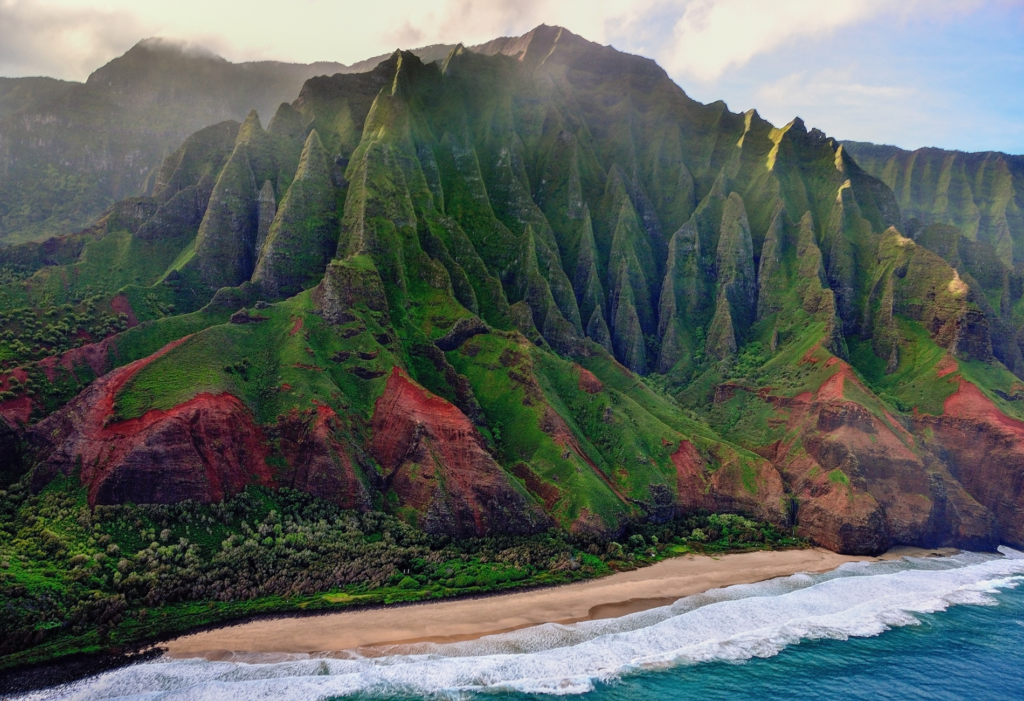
(453, 620)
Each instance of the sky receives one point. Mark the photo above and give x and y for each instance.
(947, 73)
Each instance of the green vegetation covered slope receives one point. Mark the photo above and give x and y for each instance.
(531, 286)
(968, 208)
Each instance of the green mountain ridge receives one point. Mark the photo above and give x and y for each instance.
(70, 150)
(968, 208)
(530, 286)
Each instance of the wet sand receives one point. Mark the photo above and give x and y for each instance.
(466, 619)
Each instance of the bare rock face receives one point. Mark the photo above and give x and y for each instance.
(205, 449)
(319, 461)
(226, 242)
(244, 316)
(346, 285)
(588, 382)
(754, 489)
(984, 450)
(437, 463)
(463, 330)
(863, 484)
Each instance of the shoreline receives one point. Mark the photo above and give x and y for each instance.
(453, 620)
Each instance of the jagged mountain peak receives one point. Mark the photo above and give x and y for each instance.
(536, 43)
(252, 127)
(475, 235)
(176, 46)
(287, 122)
(154, 58)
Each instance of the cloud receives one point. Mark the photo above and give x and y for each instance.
(695, 40)
(64, 43)
(704, 39)
(477, 21)
(839, 87)
(692, 39)
(712, 37)
(464, 18)
(840, 101)
(841, 64)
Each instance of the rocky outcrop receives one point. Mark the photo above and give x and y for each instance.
(438, 465)
(538, 294)
(244, 316)
(628, 335)
(347, 284)
(587, 283)
(463, 330)
(319, 458)
(860, 482)
(683, 294)
(772, 280)
(721, 341)
(226, 247)
(632, 277)
(226, 243)
(267, 211)
(205, 449)
(735, 263)
(743, 484)
(984, 449)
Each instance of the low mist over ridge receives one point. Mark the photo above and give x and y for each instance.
(69, 150)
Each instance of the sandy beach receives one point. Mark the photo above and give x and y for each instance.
(464, 619)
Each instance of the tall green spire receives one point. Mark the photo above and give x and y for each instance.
(304, 235)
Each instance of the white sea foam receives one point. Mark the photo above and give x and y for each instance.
(735, 623)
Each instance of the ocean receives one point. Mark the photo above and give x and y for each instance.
(916, 628)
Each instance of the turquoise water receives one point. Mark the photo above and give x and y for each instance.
(968, 652)
(933, 628)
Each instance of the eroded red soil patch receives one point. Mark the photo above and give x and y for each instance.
(755, 489)
(984, 449)
(314, 444)
(204, 449)
(947, 366)
(588, 381)
(16, 411)
(438, 464)
(861, 481)
(121, 305)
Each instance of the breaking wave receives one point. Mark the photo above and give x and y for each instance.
(731, 624)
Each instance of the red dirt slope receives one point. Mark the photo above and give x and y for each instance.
(319, 459)
(984, 449)
(437, 463)
(726, 489)
(204, 449)
(861, 480)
